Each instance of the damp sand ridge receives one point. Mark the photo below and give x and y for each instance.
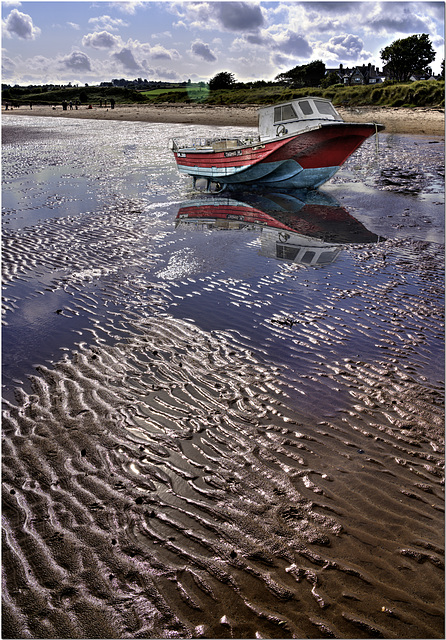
(203, 441)
(415, 121)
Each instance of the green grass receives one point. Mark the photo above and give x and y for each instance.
(427, 93)
(192, 93)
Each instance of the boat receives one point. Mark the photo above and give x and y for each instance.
(300, 145)
(301, 226)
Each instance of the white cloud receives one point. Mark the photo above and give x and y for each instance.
(391, 18)
(73, 25)
(201, 50)
(76, 61)
(8, 68)
(345, 47)
(230, 16)
(129, 7)
(126, 58)
(292, 44)
(167, 74)
(238, 16)
(107, 23)
(159, 52)
(102, 40)
(21, 25)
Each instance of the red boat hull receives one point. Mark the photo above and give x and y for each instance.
(303, 160)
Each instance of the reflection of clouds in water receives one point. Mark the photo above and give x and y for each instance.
(180, 265)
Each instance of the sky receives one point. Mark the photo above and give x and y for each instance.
(90, 42)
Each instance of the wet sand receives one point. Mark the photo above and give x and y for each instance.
(203, 442)
(396, 120)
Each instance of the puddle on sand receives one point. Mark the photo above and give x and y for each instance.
(234, 425)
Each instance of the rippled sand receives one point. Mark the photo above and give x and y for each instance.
(202, 441)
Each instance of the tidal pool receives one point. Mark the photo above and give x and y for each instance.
(223, 415)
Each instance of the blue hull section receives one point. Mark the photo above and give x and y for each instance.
(286, 173)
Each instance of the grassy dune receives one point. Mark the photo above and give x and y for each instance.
(427, 93)
(416, 94)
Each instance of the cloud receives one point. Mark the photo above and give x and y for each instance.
(129, 7)
(101, 40)
(229, 16)
(238, 16)
(76, 61)
(8, 67)
(158, 52)
(256, 38)
(282, 44)
(394, 18)
(73, 25)
(337, 8)
(292, 44)
(127, 59)
(107, 23)
(345, 47)
(167, 74)
(201, 50)
(21, 25)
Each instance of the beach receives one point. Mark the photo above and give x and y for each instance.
(206, 432)
(415, 121)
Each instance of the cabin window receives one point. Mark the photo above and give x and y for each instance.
(286, 112)
(308, 257)
(325, 108)
(325, 258)
(305, 107)
(286, 252)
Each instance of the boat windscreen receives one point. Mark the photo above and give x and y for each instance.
(325, 108)
(305, 107)
(284, 112)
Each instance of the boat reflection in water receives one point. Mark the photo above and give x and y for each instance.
(306, 227)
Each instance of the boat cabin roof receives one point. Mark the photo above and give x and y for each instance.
(300, 110)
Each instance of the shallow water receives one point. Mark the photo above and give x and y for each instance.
(219, 427)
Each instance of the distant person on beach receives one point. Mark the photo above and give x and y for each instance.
(64, 105)
(30, 105)
(71, 105)
(112, 103)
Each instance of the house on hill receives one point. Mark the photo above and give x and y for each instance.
(365, 74)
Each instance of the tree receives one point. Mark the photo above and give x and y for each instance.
(307, 75)
(330, 80)
(223, 80)
(408, 56)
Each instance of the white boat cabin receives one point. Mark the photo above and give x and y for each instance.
(295, 115)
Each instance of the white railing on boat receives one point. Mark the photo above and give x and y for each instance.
(214, 144)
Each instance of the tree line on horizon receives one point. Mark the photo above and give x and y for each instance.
(402, 59)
